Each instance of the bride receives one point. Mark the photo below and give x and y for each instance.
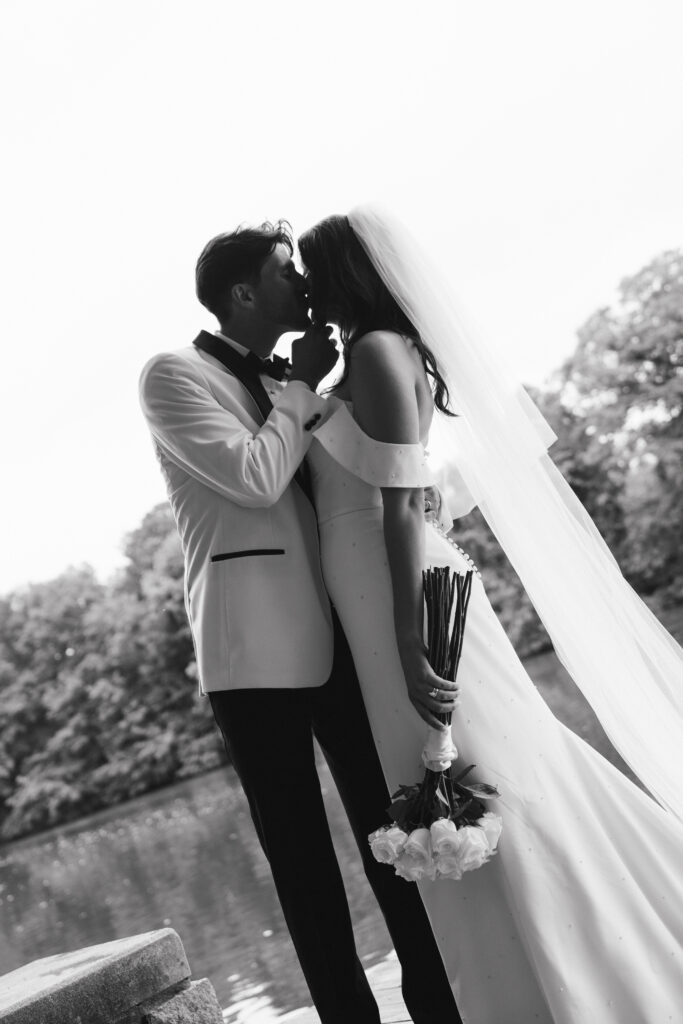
(579, 918)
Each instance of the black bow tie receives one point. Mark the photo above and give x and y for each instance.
(276, 367)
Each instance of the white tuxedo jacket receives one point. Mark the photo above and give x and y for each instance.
(254, 592)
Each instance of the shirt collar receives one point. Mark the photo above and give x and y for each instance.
(233, 344)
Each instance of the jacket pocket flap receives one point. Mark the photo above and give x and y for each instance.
(224, 556)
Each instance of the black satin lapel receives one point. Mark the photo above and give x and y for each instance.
(234, 362)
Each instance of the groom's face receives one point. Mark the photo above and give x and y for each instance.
(280, 295)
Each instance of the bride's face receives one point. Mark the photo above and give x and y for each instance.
(321, 301)
(326, 255)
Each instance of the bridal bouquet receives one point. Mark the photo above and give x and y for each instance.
(440, 827)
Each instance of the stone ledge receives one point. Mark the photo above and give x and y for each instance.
(197, 1004)
(97, 985)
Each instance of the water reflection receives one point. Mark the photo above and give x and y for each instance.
(186, 857)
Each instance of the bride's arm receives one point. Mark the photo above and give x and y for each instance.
(382, 380)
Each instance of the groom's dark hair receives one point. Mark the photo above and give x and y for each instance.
(236, 257)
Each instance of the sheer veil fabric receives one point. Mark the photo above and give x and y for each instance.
(627, 665)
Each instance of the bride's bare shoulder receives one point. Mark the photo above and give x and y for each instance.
(380, 339)
(382, 348)
(382, 383)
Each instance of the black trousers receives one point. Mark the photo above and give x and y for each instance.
(313, 898)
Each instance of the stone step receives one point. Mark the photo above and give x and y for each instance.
(144, 978)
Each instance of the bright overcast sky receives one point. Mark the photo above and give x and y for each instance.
(542, 143)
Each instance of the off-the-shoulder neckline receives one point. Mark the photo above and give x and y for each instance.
(349, 405)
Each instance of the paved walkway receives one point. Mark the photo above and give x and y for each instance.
(385, 979)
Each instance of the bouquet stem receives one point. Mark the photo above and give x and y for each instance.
(440, 827)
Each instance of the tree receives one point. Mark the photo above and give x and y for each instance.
(615, 406)
(625, 382)
(43, 632)
(99, 687)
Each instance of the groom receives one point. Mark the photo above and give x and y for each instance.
(231, 429)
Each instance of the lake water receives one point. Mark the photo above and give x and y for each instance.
(185, 857)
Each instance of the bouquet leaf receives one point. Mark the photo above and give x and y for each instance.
(461, 774)
(482, 790)
(397, 810)
(461, 810)
(406, 791)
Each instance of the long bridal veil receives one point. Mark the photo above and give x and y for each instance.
(624, 661)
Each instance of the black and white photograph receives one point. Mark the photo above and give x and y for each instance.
(341, 575)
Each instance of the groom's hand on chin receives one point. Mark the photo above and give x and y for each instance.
(314, 354)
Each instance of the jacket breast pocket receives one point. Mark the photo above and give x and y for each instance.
(225, 556)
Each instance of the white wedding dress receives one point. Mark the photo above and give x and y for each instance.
(579, 917)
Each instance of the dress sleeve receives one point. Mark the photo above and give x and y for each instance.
(376, 462)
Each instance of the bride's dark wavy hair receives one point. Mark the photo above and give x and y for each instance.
(345, 288)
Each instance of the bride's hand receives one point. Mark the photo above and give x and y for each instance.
(422, 681)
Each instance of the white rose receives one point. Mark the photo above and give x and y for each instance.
(491, 825)
(408, 868)
(474, 848)
(419, 845)
(448, 866)
(415, 860)
(387, 843)
(445, 837)
(446, 841)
